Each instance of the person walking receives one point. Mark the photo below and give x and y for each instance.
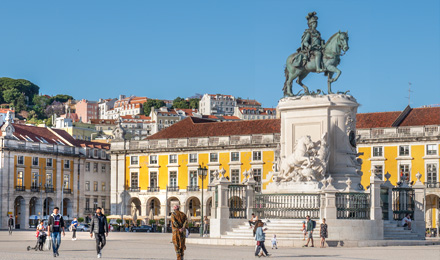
(99, 226)
(310, 225)
(260, 237)
(205, 226)
(10, 224)
(56, 225)
(323, 232)
(179, 223)
(74, 225)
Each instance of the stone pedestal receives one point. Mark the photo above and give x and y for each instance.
(314, 116)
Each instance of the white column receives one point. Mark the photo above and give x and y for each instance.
(375, 208)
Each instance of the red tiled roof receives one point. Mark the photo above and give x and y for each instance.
(415, 117)
(39, 134)
(376, 120)
(422, 116)
(197, 127)
(139, 117)
(249, 102)
(50, 135)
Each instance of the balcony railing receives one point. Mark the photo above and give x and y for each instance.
(67, 191)
(432, 184)
(172, 188)
(211, 188)
(395, 132)
(35, 189)
(192, 188)
(88, 210)
(134, 189)
(201, 141)
(153, 189)
(49, 189)
(25, 145)
(20, 188)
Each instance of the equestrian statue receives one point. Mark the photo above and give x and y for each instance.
(315, 55)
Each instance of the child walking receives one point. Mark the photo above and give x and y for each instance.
(274, 242)
(304, 230)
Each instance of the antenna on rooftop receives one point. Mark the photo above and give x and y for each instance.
(409, 93)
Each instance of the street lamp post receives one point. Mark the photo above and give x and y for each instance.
(202, 171)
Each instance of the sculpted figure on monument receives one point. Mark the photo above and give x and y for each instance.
(315, 55)
(308, 162)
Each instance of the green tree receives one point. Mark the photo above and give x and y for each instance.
(194, 103)
(179, 102)
(40, 104)
(26, 87)
(152, 103)
(60, 98)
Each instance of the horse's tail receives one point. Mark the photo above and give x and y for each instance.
(286, 74)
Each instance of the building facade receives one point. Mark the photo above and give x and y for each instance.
(104, 105)
(152, 175)
(41, 168)
(252, 113)
(217, 104)
(87, 110)
(403, 143)
(126, 106)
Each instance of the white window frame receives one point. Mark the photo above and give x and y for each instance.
(197, 159)
(47, 162)
(177, 178)
(233, 157)
(436, 149)
(409, 150)
(22, 159)
(189, 178)
(382, 151)
(409, 169)
(215, 157)
(33, 160)
(137, 160)
(150, 161)
(261, 156)
(436, 173)
(171, 156)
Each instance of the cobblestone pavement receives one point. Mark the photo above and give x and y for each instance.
(158, 246)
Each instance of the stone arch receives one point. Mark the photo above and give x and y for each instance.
(67, 208)
(192, 205)
(48, 206)
(34, 206)
(432, 207)
(153, 205)
(134, 206)
(208, 207)
(20, 212)
(171, 202)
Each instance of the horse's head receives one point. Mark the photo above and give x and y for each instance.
(343, 40)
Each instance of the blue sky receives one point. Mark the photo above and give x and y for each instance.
(164, 49)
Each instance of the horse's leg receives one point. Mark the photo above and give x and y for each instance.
(330, 75)
(299, 81)
(332, 69)
(290, 76)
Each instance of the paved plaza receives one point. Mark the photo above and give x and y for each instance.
(158, 246)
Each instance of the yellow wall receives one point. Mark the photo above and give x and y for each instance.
(392, 164)
(203, 159)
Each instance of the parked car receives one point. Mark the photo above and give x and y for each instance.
(83, 227)
(143, 228)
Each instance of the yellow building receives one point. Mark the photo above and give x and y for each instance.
(43, 168)
(153, 174)
(403, 143)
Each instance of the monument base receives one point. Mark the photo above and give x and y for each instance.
(293, 187)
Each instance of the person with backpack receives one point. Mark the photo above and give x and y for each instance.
(310, 225)
(55, 227)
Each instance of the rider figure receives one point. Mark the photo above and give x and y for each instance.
(311, 41)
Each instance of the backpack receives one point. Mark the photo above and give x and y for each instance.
(314, 224)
